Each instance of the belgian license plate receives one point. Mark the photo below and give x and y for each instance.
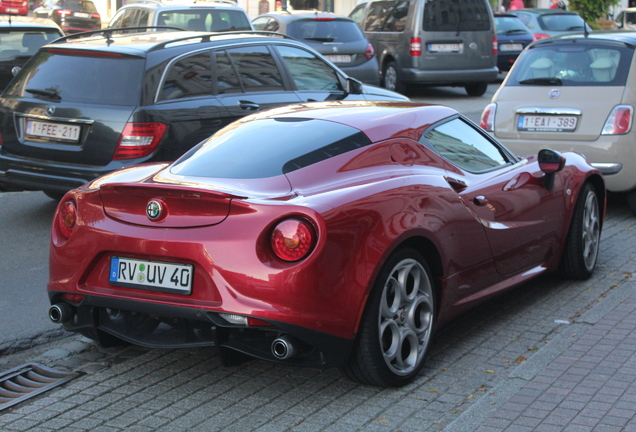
(82, 15)
(339, 58)
(60, 131)
(544, 123)
(151, 275)
(511, 47)
(447, 47)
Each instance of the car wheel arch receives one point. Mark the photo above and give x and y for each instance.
(421, 243)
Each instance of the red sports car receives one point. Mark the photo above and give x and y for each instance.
(327, 234)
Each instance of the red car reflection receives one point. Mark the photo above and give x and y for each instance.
(328, 234)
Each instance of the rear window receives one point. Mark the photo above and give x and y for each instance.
(325, 31)
(268, 148)
(205, 20)
(510, 26)
(17, 43)
(82, 79)
(77, 5)
(561, 22)
(573, 64)
(456, 15)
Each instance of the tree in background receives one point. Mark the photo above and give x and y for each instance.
(591, 10)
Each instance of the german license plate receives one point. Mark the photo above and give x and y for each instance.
(544, 123)
(82, 15)
(151, 275)
(60, 131)
(339, 58)
(444, 47)
(510, 47)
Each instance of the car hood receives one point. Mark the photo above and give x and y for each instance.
(377, 91)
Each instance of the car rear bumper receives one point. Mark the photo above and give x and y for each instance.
(155, 325)
(442, 77)
(613, 155)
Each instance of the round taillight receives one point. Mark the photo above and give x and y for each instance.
(293, 239)
(67, 219)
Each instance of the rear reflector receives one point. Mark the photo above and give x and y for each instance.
(139, 140)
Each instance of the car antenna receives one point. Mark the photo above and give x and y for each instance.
(585, 32)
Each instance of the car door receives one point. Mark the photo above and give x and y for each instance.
(247, 79)
(523, 218)
(186, 102)
(313, 78)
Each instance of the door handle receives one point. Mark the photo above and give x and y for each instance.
(480, 200)
(249, 106)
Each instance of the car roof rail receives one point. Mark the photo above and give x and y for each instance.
(109, 32)
(207, 37)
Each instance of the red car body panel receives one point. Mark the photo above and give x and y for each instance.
(363, 205)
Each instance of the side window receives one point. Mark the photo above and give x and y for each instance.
(308, 71)
(464, 146)
(378, 13)
(117, 20)
(265, 24)
(357, 14)
(226, 78)
(188, 77)
(142, 20)
(256, 68)
(128, 18)
(397, 18)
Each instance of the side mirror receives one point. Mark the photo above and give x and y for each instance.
(354, 86)
(550, 162)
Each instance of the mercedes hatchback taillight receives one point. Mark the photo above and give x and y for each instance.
(67, 218)
(495, 47)
(487, 121)
(619, 121)
(139, 140)
(293, 239)
(415, 48)
(370, 52)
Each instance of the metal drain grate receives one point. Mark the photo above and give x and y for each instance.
(28, 380)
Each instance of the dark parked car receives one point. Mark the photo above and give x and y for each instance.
(338, 38)
(88, 104)
(326, 234)
(20, 38)
(512, 37)
(72, 15)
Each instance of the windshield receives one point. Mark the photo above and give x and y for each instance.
(325, 31)
(573, 64)
(204, 19)
(80, 78)
(268, 148)
(16, 43)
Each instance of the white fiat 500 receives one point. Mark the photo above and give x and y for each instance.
(575, 92)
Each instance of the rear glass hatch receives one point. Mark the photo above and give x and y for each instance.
(79, 119)
(340, 40)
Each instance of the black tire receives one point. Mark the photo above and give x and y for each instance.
(57, 196)
(391, 78)
(631, 201)
(581, 250)
(397, 325)
(476, 89)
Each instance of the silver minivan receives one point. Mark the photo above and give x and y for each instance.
(431, 42)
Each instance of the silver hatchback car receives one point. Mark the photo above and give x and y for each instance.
(573, 93)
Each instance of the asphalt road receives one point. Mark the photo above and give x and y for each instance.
(25, 219)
